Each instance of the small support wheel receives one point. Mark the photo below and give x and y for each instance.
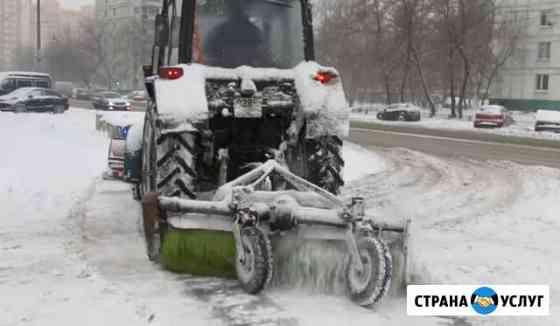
(368, 286)
(154, 228)
(254, 267)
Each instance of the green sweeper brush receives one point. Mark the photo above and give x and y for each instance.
(251, 231)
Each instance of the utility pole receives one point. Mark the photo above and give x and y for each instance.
(38, 50)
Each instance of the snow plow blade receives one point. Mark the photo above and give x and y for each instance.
(233, 235)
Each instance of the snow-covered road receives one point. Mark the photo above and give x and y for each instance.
(71, 251)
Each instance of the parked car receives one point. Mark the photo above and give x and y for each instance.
(110, 101)
(34, 99)
(115, 158)
(10, 81)
(138, 96)
(81, 94)
(492, 116)
(548, 120)
(400, 112)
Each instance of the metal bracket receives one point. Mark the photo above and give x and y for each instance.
(353, 249)
(238, 243)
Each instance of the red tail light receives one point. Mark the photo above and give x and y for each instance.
(325, 77)
(170, 73)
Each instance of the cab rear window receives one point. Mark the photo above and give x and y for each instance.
(42, 84)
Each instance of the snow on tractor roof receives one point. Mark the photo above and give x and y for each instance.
(185, 98)
(134, 138)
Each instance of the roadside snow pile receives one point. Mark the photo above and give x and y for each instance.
(49, 161)
(523, 126)
(360, 162)
(473, 222)
(121, 118)
(50, 191)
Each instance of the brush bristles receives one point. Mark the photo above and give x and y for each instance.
(316, 266)
(199, 252)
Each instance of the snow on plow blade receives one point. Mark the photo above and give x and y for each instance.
(249, 217)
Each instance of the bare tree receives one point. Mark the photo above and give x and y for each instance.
(415, 49)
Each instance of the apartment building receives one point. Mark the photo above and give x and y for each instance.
(127, 27)
(530, 79)
(118, 10)
(15, 29)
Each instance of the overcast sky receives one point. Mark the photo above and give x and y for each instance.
(75, 4)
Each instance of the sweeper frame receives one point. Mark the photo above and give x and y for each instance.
(254, 212)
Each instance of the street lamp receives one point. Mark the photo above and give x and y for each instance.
(38, 50)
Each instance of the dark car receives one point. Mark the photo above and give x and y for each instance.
(110, 101)
(400, 112)
(34, 99)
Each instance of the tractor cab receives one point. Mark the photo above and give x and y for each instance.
(234, 33)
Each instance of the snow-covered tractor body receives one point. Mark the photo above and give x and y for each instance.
(243, 135)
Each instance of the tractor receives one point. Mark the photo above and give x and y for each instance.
(242, 146)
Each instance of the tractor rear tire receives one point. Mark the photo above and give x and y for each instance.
(255, 270)
(176, 165)
(368, 287)
(325, 163)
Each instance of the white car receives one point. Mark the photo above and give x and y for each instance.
(548, 120)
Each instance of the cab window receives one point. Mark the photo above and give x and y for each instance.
(36, 93)
(52, 94)
(8, 85)
(24, 83)
(42, 84)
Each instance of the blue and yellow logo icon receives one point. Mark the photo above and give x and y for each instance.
(484, 300)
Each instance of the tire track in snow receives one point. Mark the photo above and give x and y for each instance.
(473, 221)
(112, 244)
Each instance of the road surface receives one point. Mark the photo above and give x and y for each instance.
(72, 249)
(454, 145)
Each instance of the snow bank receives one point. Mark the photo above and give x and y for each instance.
(48, 175)
(121, 118)
(523, 126)
(360, 162)
(49, 160)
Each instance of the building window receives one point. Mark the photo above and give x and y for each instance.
(545, 19)
(544, 51)
(114, 11)
(542, 82)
